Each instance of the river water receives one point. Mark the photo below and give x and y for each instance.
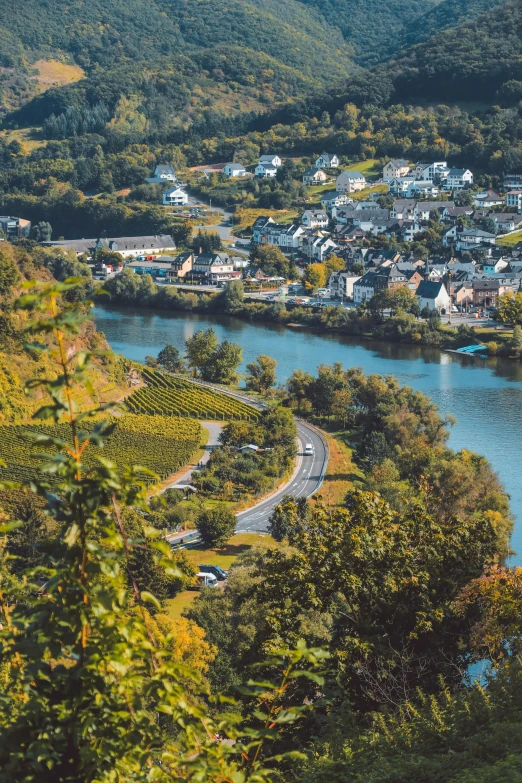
(485, 395)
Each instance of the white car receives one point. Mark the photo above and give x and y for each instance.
(309, 449)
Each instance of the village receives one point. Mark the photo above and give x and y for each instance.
(373, 226)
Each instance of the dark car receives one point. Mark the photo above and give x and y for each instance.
(213, 569)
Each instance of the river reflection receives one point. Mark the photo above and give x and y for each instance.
(485, 395)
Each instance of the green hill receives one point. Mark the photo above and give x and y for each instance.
(174, 58)
(479, 60)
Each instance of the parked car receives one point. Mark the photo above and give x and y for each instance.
(204, 580)
(217, 571)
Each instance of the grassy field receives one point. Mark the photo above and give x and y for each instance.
(28, 138)
(510, 240)
(340, 473)
(224, 557)
(53, 73)
(370, 167)
(248, 216)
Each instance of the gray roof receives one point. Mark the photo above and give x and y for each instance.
(165, 168)
(429, 289)
(119, 244)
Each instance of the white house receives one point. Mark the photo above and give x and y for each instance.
(422, 187)
(398, 186)
(271, 160)
(317, 245)
(488, 198)
(335, 199)
(514, 199)
(327, 161)
(458, 179)
(364, 288)
(265, 170)
(175, 197)
(314, 218)
(234, 170)
(165, 171)
(341, 285)
(314, 176)
(467, 238)
(350, 182)
(283, 235)
(429, 171)
(398, 167)
(433, 294)
(259, 225)
(403, 208)
(423, 209)
(512, 181)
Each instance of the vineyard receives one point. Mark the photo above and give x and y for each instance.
(160, 444)
(170, 396)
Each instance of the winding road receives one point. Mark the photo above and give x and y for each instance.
(307, 477)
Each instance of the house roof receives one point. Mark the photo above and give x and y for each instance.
(312, 170)
(398, 162)
(165, 168)
(267, 158)
(367, 280)
(429, 289)
(120, 244)
(235, 166)
(262, 221)
(457, 172)
(351, 174)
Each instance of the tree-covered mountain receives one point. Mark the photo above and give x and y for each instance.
(480, 60)
(175, 56)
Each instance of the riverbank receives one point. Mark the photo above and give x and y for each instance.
(364, 322)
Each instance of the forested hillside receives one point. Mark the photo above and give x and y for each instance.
(479, 60)
(169, 58)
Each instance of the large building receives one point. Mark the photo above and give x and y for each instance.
(14, 227)
(126, 246)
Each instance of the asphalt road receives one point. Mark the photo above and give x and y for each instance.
(307, 480)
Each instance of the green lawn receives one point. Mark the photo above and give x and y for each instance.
(370, 167)
(223, 557)
(510, 240)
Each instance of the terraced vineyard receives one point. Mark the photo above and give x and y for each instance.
(160, 444)
(170, 396)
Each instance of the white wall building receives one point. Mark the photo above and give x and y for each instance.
(327, 161)
(398, 167)
(350, 182)
(234, 170)
(175, 197)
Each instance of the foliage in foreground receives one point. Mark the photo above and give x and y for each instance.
(91, 691)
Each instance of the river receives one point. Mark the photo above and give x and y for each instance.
(485, 395)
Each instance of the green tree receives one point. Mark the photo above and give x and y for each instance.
(199, 350)
(169, 358)
(216, 525)
(298, 386)
(510, 308)
(233, 295)
(41, 231)
(286, 517)
(221, 366)
(316, 276)
(9, 274)
(261, 374)
(516, 339)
